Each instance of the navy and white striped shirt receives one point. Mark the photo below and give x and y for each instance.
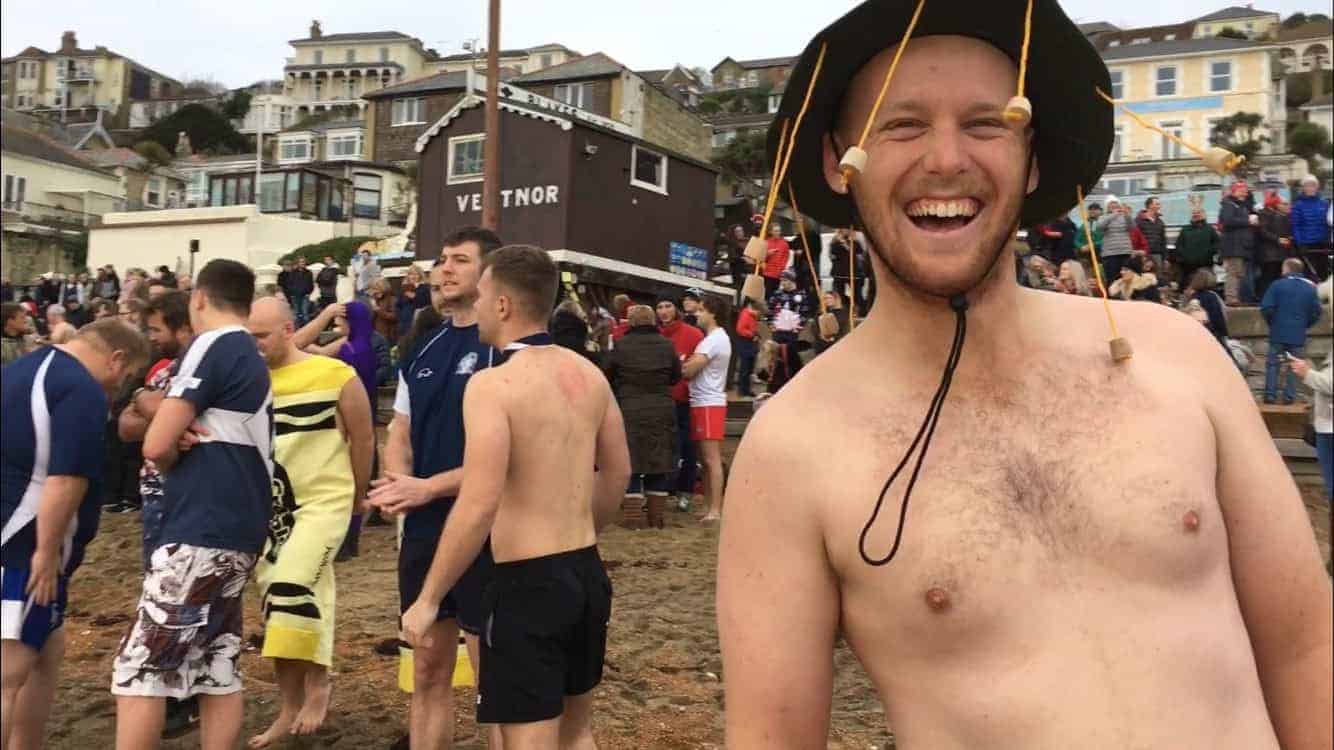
(219, 494)
(52, 417)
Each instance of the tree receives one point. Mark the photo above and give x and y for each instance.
(237, 105)
(210, 132)
(1242, 133)
(154, 152)
(1230, 33)
(743, 158)
(1310, 140)
(203, 87)
(1298, 86)
(340, 248)
(1294, 20)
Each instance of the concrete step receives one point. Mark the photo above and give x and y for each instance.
(1288, 422)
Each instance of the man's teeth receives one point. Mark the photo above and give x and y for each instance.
(943, 209)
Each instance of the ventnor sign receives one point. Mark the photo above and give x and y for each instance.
(537, 195)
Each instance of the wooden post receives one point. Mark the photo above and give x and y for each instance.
(491, 146)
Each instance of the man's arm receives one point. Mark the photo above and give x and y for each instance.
(778, 671)
(694, 365)
(133, 422)
(310, 332)
(61, 496)
(487, 456)
(1282, 589)
(354, 408)
(613, 466)
(398, 491)
(173, 418)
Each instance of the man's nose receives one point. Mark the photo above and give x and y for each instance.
(946, 155)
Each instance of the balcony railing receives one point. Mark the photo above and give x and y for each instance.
(56, 217)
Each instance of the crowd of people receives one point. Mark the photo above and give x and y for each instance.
(277, 387)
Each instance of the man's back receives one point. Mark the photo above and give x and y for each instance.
(555, 402)
(1291, 305)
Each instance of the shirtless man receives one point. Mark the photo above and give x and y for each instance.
(1041, 598)
(536, 428)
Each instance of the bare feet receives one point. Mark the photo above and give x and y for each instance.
(280, 727)
(710, 518)
(316, 707)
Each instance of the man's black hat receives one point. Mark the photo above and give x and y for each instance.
(1073, 128)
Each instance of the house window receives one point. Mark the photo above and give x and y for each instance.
(319, 89)
(1171, 148)
(351, 56)
(351, 85)
(1169, 37)
(648, 170)
(294, 149)
(1220, 76)
(572, 94)
(271, 191)
(153, 192)
(384, 54)
(545, 61)
(15, 186)
(366, 196)
(1117, 143)
(292, 195)
(1166, 80)
(319, 57)
(465, 158)
(408, 111)
(723, 137)
(346, 146)
(1140, 40)
(196, 189)
(752, 78)
(1118, 84)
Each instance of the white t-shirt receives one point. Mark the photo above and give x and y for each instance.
(709, 387)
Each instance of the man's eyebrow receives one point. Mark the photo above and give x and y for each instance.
(913, 106)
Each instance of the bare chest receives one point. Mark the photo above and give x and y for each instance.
(1017, 500)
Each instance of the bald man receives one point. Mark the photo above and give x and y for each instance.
(322, 462)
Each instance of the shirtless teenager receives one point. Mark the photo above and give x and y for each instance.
(1057, 585)
(536, 428)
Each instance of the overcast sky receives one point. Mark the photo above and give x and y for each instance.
(237, 42)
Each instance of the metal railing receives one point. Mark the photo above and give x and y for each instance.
(54, 216)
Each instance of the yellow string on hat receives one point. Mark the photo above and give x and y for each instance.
(806, 248)
(854, 159)
(1120, 348)
(1216, 158)
(1019, 109)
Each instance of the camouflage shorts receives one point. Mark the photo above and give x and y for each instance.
(186, 638)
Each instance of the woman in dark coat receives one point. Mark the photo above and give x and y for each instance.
(642, 369)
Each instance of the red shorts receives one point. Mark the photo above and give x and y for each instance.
(708, 422)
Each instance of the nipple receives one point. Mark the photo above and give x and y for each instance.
(1191, 521)
(938, 599)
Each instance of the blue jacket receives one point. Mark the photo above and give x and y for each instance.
(1290, 307)
(1309, 220)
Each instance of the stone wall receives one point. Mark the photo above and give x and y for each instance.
(396, 144)
(672, 126)
(27, 256)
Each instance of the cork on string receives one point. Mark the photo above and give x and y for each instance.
(1019, 110)
(756, 247)
(1120, 348)
(1218, 159)
(854, 159)
(827, 322)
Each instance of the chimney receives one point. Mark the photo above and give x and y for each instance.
(315, 32)
(68, 43)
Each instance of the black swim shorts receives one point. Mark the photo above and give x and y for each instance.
(545, 635)
(463, 602)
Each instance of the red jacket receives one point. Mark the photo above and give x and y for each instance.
(685, 338)
(746, 323)
(776, 261)
(619, 330)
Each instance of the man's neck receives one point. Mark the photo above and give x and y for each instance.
(916, 326)
(290, 357)
(91, 357)
(210, 319)
(462, 313)
(513, 332)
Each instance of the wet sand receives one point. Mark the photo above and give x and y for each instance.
(661, 688)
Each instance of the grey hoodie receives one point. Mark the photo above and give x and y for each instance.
(1115, 228)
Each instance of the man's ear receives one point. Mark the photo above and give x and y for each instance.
(832, 175)
(1033, 176)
